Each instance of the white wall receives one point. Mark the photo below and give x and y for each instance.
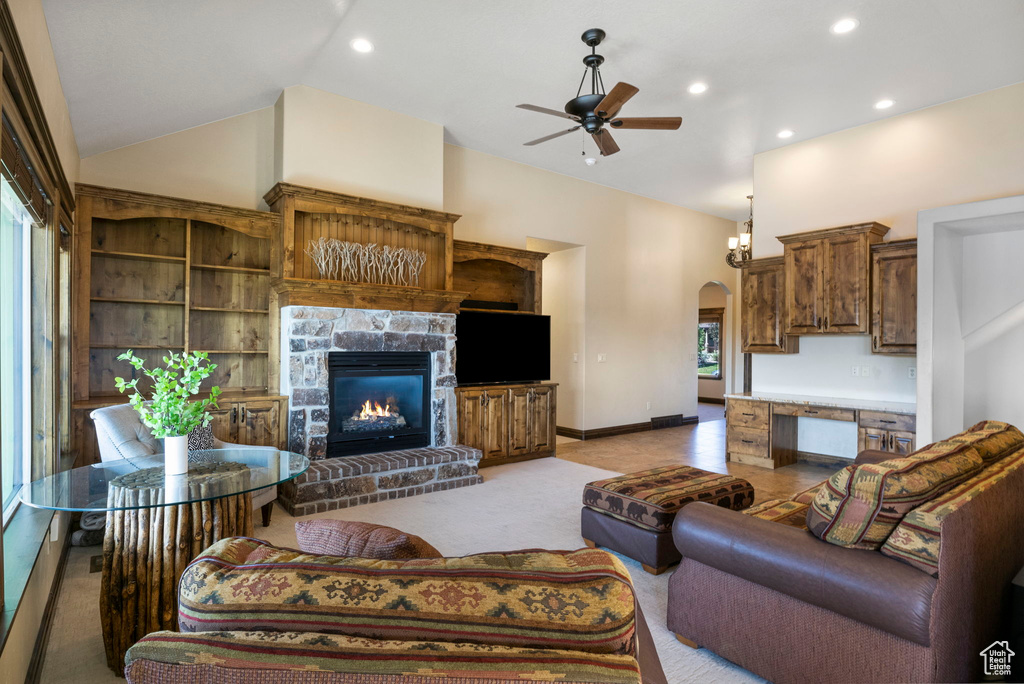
(887, 171)
(228, 162)
(563, 297)
(970, 316)
(712, 296)
(334, 143)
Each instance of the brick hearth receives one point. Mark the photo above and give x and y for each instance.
(334, 483)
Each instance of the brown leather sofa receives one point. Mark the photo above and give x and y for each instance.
(793, 608)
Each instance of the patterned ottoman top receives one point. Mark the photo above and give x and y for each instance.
(651, 498)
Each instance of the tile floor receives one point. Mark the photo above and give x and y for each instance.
(701, 445)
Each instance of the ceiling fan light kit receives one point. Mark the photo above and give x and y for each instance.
(596, 110)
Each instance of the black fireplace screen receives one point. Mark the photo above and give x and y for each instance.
(380, 401)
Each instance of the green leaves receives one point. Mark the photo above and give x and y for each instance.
(169, 412)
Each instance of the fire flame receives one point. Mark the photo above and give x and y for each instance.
(368, 413)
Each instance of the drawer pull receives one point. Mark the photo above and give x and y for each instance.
(890, 422)
(747, 441)
(809, 411)
(749, 414)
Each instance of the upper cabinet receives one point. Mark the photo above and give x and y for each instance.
(764, 293)
(828, 279)
(894, 297)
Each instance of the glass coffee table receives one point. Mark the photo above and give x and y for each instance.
(157, 524)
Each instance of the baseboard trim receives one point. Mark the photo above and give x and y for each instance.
(661, 422)
(711, 400)
(822, 460)
(35, 665)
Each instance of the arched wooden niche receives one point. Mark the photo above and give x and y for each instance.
(498, 278)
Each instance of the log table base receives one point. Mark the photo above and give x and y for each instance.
(145, 550)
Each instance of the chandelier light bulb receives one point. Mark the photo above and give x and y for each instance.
(745, 239)
(733, 242)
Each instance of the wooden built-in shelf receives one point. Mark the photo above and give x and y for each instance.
(169, 347)
(236, 269)
(499, 275)
(137, 256)
(340, 294)
(228, 310)
(126, 300)
(508, 311)
(232, 351)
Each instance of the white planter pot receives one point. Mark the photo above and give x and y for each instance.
(176, 455)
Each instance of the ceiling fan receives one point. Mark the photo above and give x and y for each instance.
(594, 111)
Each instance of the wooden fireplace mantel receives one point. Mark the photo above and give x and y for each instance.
(345, 295)
(310, 213)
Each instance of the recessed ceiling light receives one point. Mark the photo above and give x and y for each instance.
(844, 25)
(697, 88)
(785, 133)
(361, 45)
(884, 104)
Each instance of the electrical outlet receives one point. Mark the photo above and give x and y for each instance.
(912, 372)
(648, 406)
(575, 357)
(855, 371)
(865, 371)
(601, 358)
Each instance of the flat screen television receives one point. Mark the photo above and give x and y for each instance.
(502, 347)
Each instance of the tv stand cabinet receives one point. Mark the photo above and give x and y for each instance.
(508, 423)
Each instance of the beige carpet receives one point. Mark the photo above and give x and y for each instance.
(535, 504)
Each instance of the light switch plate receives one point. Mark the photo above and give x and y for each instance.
(855, 371)
(601, 358)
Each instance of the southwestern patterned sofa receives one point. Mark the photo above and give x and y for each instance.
(890, 570)
(251, 613)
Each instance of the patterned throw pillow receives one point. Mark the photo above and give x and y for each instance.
(861, 505)
(360, 540)
(575, 600)
(917, 540)
(200, 438)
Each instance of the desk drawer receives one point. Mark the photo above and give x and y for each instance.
(748, 441)
(888, 421)
(753, 414)
(823, 412)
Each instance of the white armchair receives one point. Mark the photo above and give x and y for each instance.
(121, 434)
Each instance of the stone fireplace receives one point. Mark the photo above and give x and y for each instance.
(310, 334)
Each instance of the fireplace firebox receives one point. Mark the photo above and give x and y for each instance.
(379, 401)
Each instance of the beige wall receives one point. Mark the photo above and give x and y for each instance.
(229, 162)
(962, 151)
(35, 41)
(331, 142)
(645, 262)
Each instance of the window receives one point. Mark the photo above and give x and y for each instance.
(15, 343)
(709, 344)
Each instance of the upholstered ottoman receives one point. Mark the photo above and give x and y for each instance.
(633, 513)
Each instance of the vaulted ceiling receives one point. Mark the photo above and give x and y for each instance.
(134, 70)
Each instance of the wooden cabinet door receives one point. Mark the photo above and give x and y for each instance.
(542, 414)
(804, 294)
(874, 438)
(495, 442)
(894, 298)
(260, 423)
(224, 421)
(763, 300)
(846, 284)
(519, 420)
(901, 443)
(471, 417)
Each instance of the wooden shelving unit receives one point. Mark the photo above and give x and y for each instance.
(498, 278)
(164, 274)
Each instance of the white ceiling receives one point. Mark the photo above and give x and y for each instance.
(137, 69)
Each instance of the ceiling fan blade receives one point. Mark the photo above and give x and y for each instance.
(550, 137)
(545, 110)
(613, 101)
(605, 142)
(661, 123)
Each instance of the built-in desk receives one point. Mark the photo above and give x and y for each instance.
(763, 429)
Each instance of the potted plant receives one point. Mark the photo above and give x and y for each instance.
(169, 413)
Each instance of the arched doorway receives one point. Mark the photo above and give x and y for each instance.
(713, 363)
